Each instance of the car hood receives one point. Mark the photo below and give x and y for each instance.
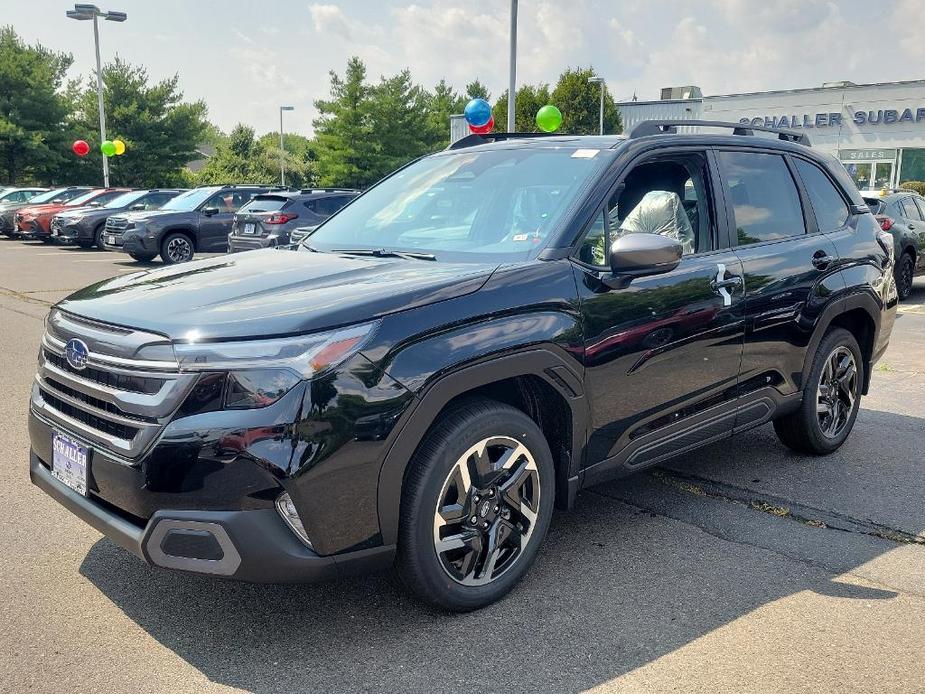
(144, 215)
(271, 292)
(83, 211)
(41, 209)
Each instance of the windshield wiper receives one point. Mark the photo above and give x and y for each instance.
(386, 253)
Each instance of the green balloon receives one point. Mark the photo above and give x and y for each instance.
(549, 118)
(108, 148)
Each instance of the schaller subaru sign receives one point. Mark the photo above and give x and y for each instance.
(888, 116)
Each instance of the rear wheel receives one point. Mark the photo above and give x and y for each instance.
(905, 270)
(143, 257)
(831, 398)
(176, 248)
(476, 504)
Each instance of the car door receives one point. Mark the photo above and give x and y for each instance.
(919, 234)
(662, 354)
(214, 228)
(790, 267)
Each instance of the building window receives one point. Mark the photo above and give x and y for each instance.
(913, 166)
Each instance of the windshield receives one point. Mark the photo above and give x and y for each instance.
(125, 199)
(47, 197)
(496, 205)
(190, 200)
(81, 200)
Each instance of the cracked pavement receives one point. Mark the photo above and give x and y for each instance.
(739, 567)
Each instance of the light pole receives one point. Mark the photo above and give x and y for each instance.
(282, 146)
(512, 82)
(600, 80)
(83, 12)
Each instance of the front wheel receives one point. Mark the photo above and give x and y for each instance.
(905, 270)
(476, 505)
(176, 248)
(831, 398)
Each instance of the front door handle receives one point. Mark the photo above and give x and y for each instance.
(722, 284)
(821, 260)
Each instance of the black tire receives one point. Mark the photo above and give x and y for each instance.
(98, 238)
(905, 270)
(84, 243)
(424, 570)
(143, 257)
(177, 248)
(818, 431)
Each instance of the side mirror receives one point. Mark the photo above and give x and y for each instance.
(137, 207)
(641, 255)
(209, 211)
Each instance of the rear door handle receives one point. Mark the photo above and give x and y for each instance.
(722, 284)
(821, 260)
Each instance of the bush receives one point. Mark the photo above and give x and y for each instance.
(917, 186)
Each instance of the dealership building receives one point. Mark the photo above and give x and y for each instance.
(876, 130)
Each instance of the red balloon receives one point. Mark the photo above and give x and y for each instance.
(81, 148)
(483, 129)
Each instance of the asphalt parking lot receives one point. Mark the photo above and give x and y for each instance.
(741, 567)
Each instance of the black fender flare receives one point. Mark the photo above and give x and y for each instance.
(862, 300)
(182, 229)
(414, 423)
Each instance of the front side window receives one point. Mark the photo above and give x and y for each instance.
(828, 205)
(669, 196)
(497, 204)
(764, 196)
(189, 201)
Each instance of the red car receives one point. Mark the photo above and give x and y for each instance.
(34, 222)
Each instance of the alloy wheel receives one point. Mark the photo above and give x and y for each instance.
(486, 511)
(179, 249)
(837, 392)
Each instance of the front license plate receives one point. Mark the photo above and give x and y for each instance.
(69, 462)
(111, 240)
(249, 228)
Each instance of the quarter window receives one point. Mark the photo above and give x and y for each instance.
(828, 205)
(764, 196)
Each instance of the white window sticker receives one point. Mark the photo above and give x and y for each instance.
(585, 153)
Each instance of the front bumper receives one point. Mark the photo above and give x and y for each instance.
(253, 545)
(32, 230)
(70, 231)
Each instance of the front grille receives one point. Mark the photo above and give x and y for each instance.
(133, 384)
(117, 402)
(55, 225)
(116, 223)
(120, 431)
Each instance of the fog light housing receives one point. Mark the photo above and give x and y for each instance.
(287, 510)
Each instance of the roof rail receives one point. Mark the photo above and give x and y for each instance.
(661, 127)
(472, 140)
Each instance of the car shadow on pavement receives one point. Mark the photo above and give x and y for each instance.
(616, 586)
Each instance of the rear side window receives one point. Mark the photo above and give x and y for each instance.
(764, 196)
(910, 211)
(828, 205)
(328, 206)
(265, 203)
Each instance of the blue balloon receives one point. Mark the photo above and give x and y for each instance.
(478, 112)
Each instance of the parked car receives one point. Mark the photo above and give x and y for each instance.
(17, 195)
(58, 196)
(197, 220)
(902, 214)
(85, 225)
(416, 385)
(269, 219)
(34, 222)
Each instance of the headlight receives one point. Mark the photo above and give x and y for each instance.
(260, 372)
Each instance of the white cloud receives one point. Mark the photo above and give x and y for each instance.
(329, 18)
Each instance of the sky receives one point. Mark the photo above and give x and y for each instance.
(246, 58)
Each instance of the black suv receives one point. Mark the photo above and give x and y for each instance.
(197, 220)
(465, 346)
(902, 213)
(85, 225)
(271, 219)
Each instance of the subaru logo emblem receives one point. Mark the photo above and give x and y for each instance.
(76, 353)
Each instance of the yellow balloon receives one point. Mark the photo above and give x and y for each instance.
(120, 147)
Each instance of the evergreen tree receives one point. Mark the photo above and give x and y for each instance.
(443, 102)
(32, 110)
(399, 122)
(529, 100)
(477, 90)
(343, 129)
